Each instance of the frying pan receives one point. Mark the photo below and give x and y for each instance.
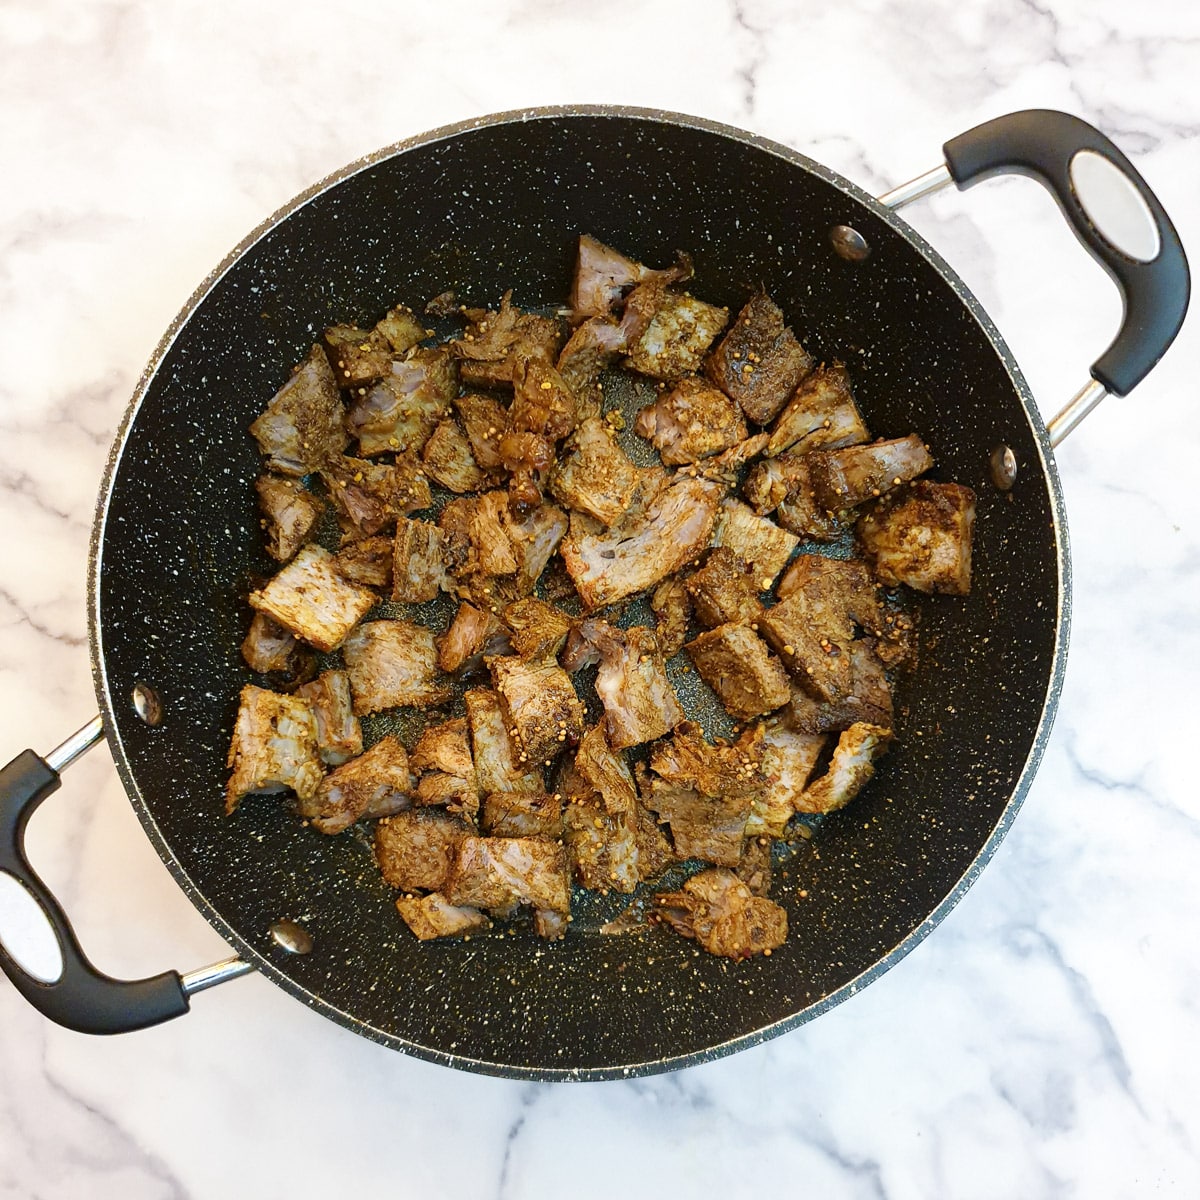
(499, 203)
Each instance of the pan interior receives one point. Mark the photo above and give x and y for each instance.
(497, 206)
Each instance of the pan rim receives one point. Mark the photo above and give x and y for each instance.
(256, 956)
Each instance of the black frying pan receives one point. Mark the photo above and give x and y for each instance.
(499, 203)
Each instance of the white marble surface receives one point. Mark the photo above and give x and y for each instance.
(1044, 1041)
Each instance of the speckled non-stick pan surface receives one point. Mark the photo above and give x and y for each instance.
(498, 204)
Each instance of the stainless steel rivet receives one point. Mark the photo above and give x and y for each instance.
(1003, 466)
(146, 703)
(849, 243)
(294, 938)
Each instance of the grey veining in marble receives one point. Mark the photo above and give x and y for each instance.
(1042, 1042)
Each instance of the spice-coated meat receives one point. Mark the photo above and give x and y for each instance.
(289, 514)
(394, 663)
(690, 421)
(535, 629)
(523, 814)
(534, 539)
(755, 540)
(375, 784)
(366, 561)
(725, 589)
(448, 460)
(852, 766)
(479, 522)
(723, 915)
(671, 604)
(789, 757)
(922, 537)
(419, 562)
(497, 874)
(604, 275)
(485, 421)
(846, 478)
(417, 848)
(600, 820)
(735, 662)
(820, 415)
(495, 343)
(402, 328)
(274, 747)
(595, 476)
(271, 649)
(433, 916)
(339, 735)
(497, 757)
(473, 633)
(868, 696)
(369, 496)
(302, 426)
(540, 703)
(592, 347)
(442, 760)
(357, 356)
(400, 412)
(677, 335)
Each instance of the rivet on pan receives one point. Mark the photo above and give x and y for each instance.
(1003, 466)
(146, 703)
(294, 938)
(849, 243)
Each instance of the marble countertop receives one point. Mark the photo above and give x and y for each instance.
(1042, 1041)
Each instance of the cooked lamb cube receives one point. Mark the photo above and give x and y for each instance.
(852, 766)
(654, 850)
(496, 756)
(591, 348)
(494, 343)
(735, 663)
(448, 459)
(755, 540)
(289, 514)
(357, 356)
(845, 478)
(727, 465)
(603, 275)
(759, 362)
(312, 600)
(485, 420)
(755, 868)
(536, 629)
(686, 758)
(782, 485)
(540, 703)
(339, 735)
(302, 426)
(369, 496)
(640, 704)
(678, 335)
(672, 607)
(402, 328)
(769, 482)
(691, 421)
(366, 561)
(274, 747)
(725, 589)
(393, 663)
(419, 563)
(479, 519)
(842, 583)
(820, 415)
(922, 537)
(473, 634)
(788, 758)
(375, 783)
(677, 525)
(402, 410)
(498, 874)
(271, 649)
(601, 766)
(602, 846)
(523, 814)
(868, 697)
(534, 540)
(723, 915)
(433, 916)
(416, 849)
(442, 759)
(595, 476)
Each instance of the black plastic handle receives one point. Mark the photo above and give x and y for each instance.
(82, 998)
(1041, 143)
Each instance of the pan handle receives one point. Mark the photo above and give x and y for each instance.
(81, 998)
(1052, 147)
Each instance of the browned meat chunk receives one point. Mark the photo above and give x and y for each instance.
(370, 496)
(302, 426)
(725, 589)
(402, 410)
(523, 814)
(800, 512)
(609, 566)
(713, 770)
(672, 608)
(922, 537)
(820, 415)
(536, 629)
(393, 663)
(473, 634)
(769, 482)
(727, 465)
(417, 849)
(374, 784)
(289, 514)
(788, 759)
(366, 561)
(852, 766)
(478, 523)
(595, 476)
(274, 747)
(485, 420)
(755, 540)
(442, 759)
(339, 735)
(603, 275)
(357, 356)
(691, 421)
(868, 697)
(759, 362)
(723, 915)
(419, 561)
(270, 649)
(844, 584)
(498, 874)
(496, 757)
(448, 460)
(539, 702)
(496, 342)
(433, 916)
(654, 850)
(678, 335)
(846, 478)
(640, 704)
(591, 348)
(735, 663)
(542, 413)
(312, 600)
(402, 328)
